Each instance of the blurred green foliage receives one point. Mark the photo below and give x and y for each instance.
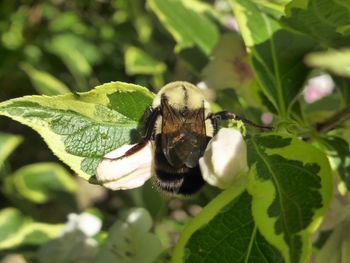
(62, 47)
(81, 44)
(55, 47)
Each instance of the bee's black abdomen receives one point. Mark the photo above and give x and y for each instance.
(175, 180)
(185, 183)
(193, 181)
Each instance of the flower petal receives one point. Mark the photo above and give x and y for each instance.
(225, 158)
(128, 172)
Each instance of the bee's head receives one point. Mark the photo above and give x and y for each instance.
(182, 96)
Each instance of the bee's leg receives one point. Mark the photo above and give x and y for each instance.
(226, 115)
(149, 119)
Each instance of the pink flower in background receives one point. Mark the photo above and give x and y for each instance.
(267, 118)
(318, 87)
(231, 23)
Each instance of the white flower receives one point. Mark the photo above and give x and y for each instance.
(87, 223)
(318, 87)
(125, 173)
(225, 158)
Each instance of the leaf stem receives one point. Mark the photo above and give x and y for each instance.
(333, 121)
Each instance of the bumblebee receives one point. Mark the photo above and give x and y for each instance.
(177, 128)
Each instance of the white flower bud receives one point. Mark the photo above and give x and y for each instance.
(225, 158)
(128, 172)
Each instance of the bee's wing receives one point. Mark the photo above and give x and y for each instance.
(118, 170)
(183, 148)
(183, 139)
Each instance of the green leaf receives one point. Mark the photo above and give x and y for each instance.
(73, 58)
(327, 21)
(12, 36)
(68, 41)
(17, 230)
(73, 246)
(322, 108)
(291, 185)
(65, 21)
(143, 26)
(276, 6)
(225, 230)
(77, 54)
(43, 82)
(203, 8)
(189, 28)
(276, 54)
(11, 221)
(343, 84)
(229, 66)
(153, 201)
(131, 241)
(335, 61)
(42, 182)
(8, 143)
(339, 151)
(139, 62)
(81, 128)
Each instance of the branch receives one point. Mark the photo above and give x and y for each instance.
(333, 121)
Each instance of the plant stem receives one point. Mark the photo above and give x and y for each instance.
(333, 121)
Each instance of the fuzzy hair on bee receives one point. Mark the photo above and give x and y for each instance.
(177, 129)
